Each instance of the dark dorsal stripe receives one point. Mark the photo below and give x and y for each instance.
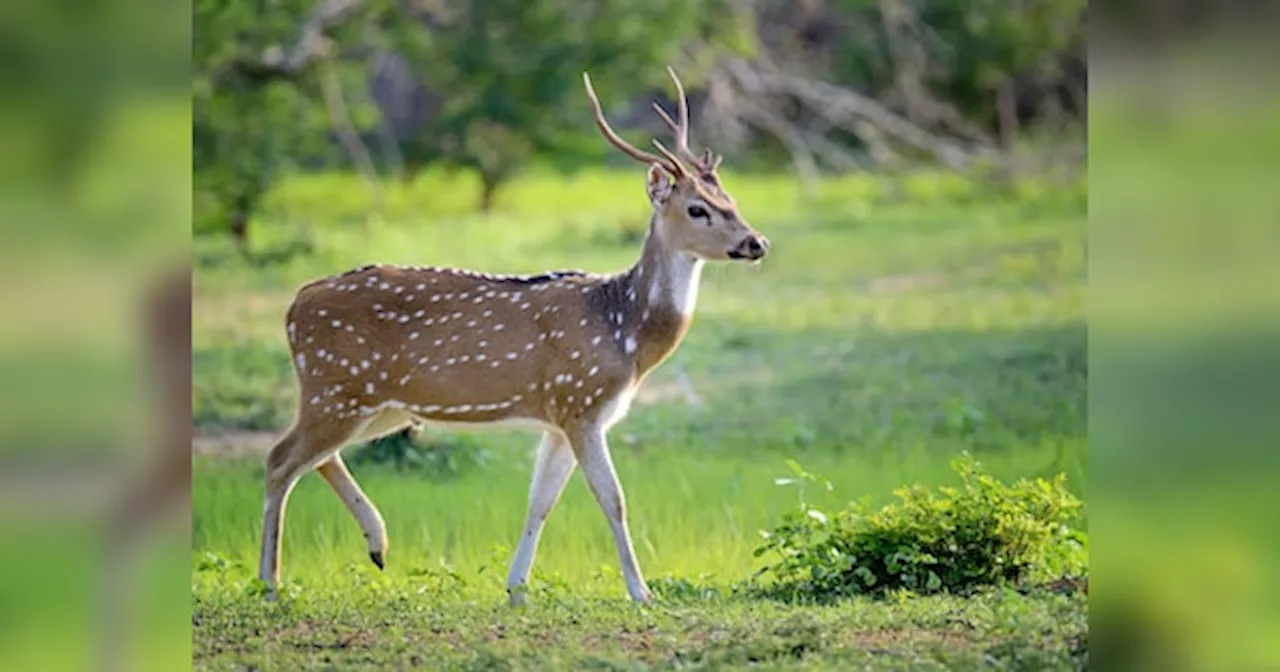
(355, 271)
(541, 277)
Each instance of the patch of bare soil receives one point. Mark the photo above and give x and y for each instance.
(234, 443)
(893, 641)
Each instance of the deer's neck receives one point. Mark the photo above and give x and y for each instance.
(665, 279)
(659, 295)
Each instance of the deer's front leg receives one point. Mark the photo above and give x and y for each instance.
(592, 450)
(551, 471)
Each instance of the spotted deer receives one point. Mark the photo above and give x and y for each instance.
(382, 347)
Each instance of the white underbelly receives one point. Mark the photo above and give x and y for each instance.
(503, 424)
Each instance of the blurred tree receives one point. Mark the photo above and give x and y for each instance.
(991, 43)
(497, 84)
(508, 73)
(254, 104)
(944, 65)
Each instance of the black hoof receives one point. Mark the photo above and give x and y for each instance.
(376, 557)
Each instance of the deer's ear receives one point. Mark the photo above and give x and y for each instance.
(658, 184)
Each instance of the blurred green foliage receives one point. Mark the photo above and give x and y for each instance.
(969, 49)
(498, 84)
(505, 78)
(509, 74)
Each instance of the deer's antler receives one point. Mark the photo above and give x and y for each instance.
(708, 162)
(672, 161)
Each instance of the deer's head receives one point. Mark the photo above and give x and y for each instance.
(695, 213)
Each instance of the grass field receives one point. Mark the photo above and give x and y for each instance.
(897, 323)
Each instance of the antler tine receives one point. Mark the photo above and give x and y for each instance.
(682, 132)
(667, 118)
(668, 153)
(708, 162)
(627, 148)
(675, 129)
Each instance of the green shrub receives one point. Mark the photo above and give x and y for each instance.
(443, 458)
(954, 539)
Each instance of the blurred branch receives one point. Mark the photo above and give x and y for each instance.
(766, 120)
(903, 29)
(854, 113)
(341, 118)
(313, 43)
(313, 38)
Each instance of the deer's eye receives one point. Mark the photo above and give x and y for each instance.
(697, 211)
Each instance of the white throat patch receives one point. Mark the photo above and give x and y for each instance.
(682, 280)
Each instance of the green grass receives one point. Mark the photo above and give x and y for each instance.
(896, 323)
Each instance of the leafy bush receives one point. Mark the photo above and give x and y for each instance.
(983, 532)
(444, 458)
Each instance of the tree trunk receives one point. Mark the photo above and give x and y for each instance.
(1007, 115)
(240, 228)
(409, 173)
(243, 206)
(489, 183)
(1007, 130)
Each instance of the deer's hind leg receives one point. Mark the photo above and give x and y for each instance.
(312, 439)
(362, 508)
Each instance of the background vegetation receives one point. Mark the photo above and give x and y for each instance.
(390, 88)
(917, 166)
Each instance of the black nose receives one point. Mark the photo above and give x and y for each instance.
(757, 246)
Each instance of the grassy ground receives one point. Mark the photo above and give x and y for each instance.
(896, 323)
